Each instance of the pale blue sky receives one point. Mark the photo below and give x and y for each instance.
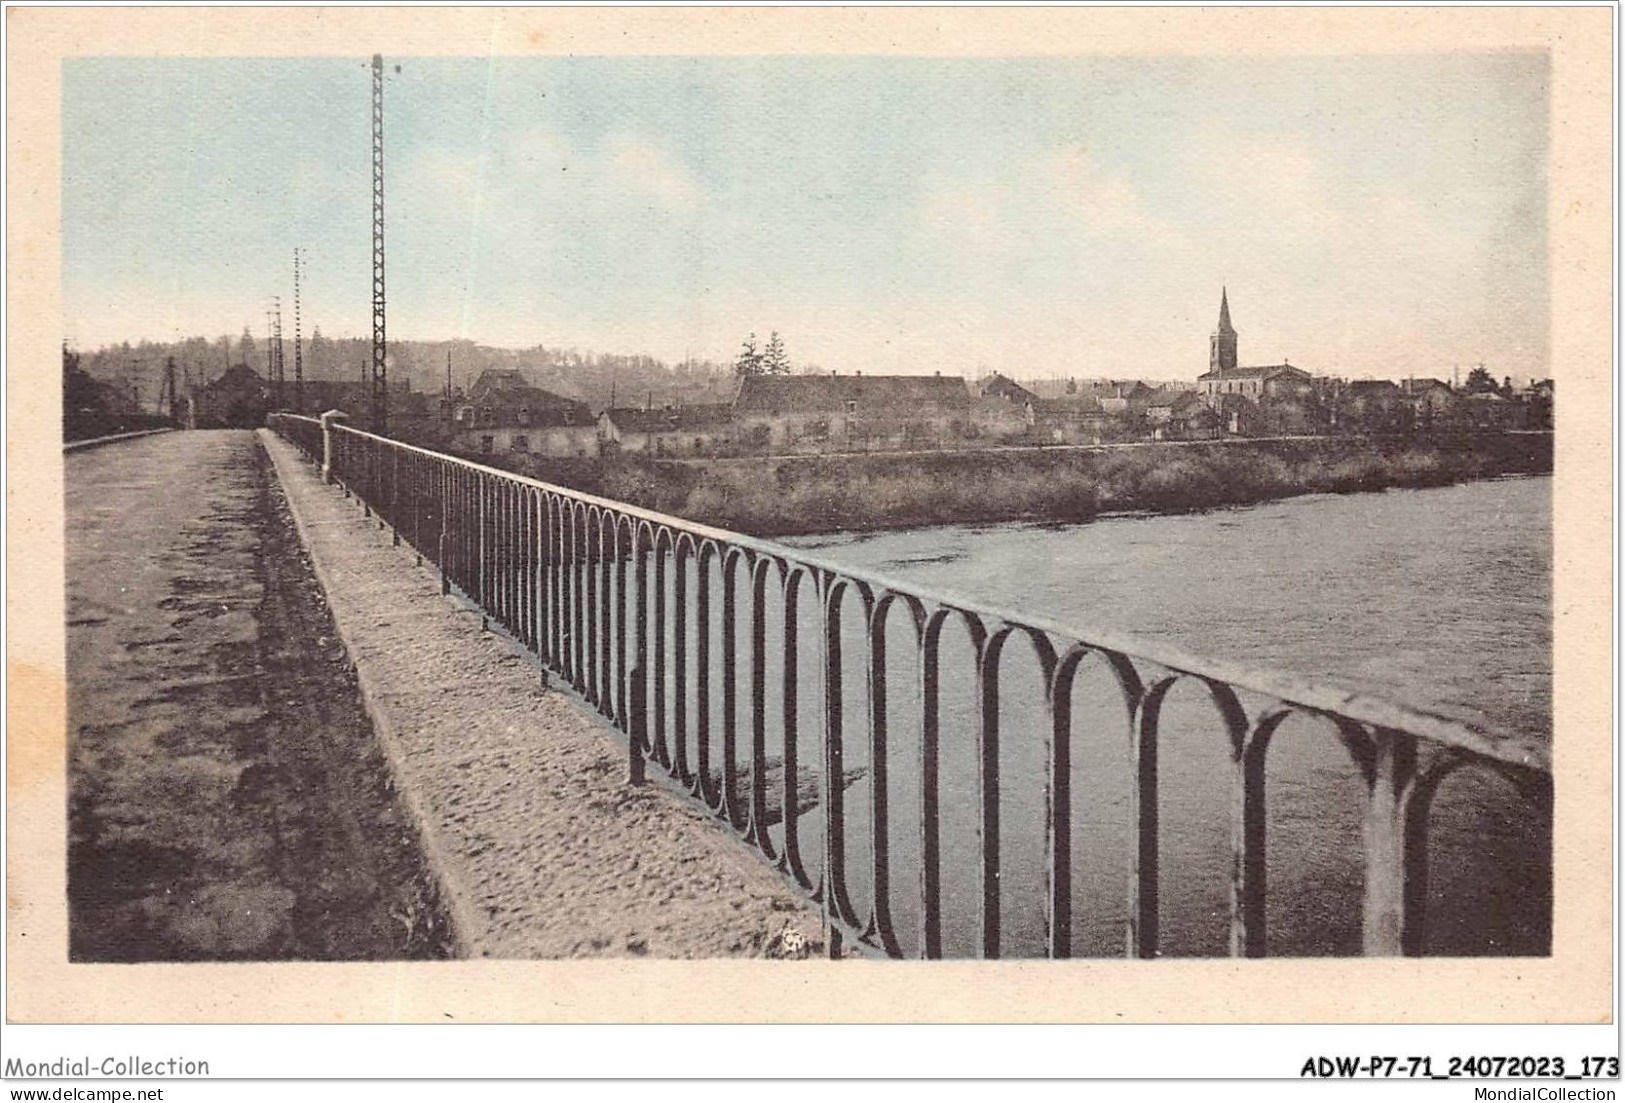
(1371, 216)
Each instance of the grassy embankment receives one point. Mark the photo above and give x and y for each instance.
(793, 496)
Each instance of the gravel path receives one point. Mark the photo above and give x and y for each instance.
(519, 794)
(227, 798)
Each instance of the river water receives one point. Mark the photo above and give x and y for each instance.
(1437, 598)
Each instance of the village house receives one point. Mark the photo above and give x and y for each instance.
(1175, 414)
(1493, 411)
(1539, 401)
(671, 430)
(1003, 387)
(1076, 419)
(238, 399)
(1004, 409)
(1125, 397)
(1433, 402)
(502, 412)
(850, 412)
(1373, 405)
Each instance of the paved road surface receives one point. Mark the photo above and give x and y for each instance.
(227, 800)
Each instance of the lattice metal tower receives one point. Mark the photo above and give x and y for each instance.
(270, 361)
(380, 374)
(276, 363)
(298, 344)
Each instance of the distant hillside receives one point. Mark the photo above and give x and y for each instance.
(590, 377)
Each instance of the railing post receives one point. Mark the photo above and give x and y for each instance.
(1144, 914)
(635, 728)
(1249, 838)
(930, 811)
(1384, 918)
(395, 498)
(987, 784)
(330, 419)
(1058, 823)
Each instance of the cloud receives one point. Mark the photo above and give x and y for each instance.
(973, 212)
(536, 174)
(644, 169)
(1098, 201)
(1057, 200)
(444, 174)
(536, 148)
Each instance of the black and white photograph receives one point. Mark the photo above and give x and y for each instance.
(832, 507)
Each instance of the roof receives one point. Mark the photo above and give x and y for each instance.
(1005, 387)
(1415, 384)
(1373, 385)
(1259, 371)
(895, 395)
(673, 419)
(1093, 390)
(238, 375)
(506, 389)
(499, 379)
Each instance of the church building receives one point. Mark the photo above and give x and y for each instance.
(1225, 377)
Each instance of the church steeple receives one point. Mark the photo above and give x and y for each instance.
(1222, 345)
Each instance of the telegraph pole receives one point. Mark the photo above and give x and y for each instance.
(380, 373)
(169, 389)
(298, 344)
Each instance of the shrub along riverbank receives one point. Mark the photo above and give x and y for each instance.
(804, 495)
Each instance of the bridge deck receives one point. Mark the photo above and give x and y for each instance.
(225, 800)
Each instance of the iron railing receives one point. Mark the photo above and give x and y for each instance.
(599, 592)
(306, 432)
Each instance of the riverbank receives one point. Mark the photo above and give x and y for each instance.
(796, 496)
